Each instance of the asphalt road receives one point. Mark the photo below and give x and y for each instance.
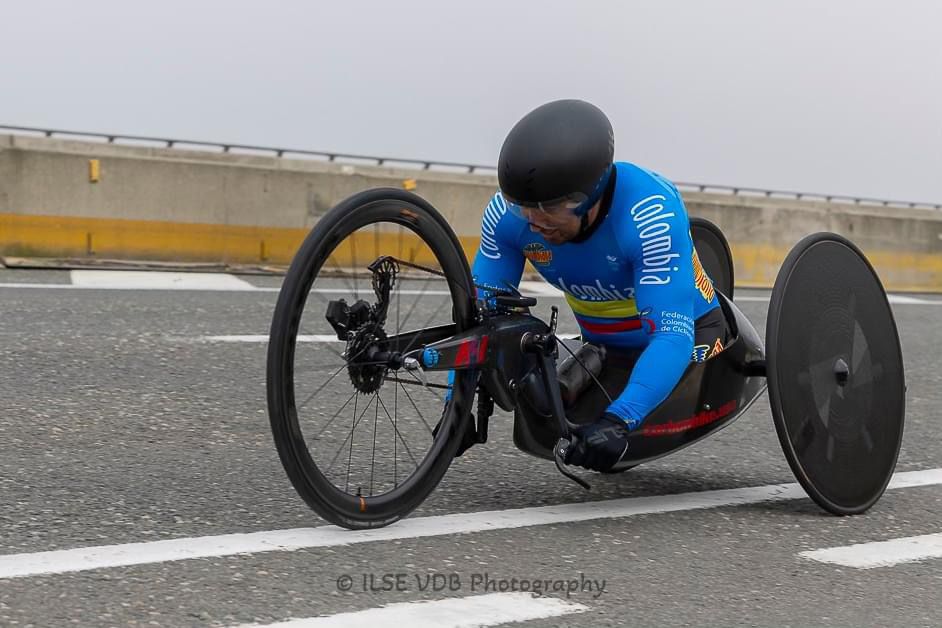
(127, 419)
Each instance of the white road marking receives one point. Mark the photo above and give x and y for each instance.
(895, 299)
(157, 280)
(491, 609)
(537, 289)
(904, 300)
(84, 558)
(264, 338)
(881, 553)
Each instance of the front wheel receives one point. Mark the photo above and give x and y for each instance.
(362, 439)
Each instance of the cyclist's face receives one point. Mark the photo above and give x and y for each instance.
(556, 227)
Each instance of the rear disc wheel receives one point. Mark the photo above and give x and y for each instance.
(835, 374)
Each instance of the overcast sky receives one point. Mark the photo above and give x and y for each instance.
(842, 96)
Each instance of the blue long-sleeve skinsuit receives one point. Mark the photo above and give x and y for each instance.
(634, 282)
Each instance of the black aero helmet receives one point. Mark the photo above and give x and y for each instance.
(557, 156)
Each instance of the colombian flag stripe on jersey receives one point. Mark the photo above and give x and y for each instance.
(602, 309)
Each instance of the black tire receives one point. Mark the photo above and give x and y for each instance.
(714, 253)
(835, 374)
(330, 502)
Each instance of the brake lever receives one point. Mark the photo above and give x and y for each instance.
(543, 345)
(559, 454)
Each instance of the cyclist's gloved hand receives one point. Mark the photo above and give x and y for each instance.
(598, 446)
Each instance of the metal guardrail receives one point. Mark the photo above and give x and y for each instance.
(114, 138)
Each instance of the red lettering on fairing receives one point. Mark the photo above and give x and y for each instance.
(698, 420)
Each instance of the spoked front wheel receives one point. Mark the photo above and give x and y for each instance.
(362, 434)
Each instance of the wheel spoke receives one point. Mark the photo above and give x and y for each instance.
(428, 387)
(321, 387)
(430, 319)
(417, 299)
(395, 443)
(346, 486)
(417, 411)
(416, 382)
(393, 423)
(342, 276)
(424, 336)
(373, 455)
(326, 345)
(336, 414)
(353, 248)
(355, 423)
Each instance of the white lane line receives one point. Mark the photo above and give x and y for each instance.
(881, 553)
(545, 291)
(264, 338)
(491, 609)
(222, 282)
(157, 280)
(901, 299)
(895, 299)
(84, 558)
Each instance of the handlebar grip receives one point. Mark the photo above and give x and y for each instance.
(513, 300)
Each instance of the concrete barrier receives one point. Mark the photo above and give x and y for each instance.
(182, 205)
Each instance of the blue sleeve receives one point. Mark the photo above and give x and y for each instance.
(499, 260)
(655, 238)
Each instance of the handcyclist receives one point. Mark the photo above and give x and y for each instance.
(615, 238)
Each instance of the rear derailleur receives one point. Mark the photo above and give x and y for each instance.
(361, 326)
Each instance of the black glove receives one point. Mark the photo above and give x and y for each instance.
(598, 446)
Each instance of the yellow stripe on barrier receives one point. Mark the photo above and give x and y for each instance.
(66, 236)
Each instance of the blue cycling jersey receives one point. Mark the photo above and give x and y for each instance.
(635, 281)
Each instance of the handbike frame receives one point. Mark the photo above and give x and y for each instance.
(507, 348)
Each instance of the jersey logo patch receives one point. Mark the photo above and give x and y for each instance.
(700, 353)
(538, 254)
(701, 280)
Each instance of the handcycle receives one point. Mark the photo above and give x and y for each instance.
(831, 361)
